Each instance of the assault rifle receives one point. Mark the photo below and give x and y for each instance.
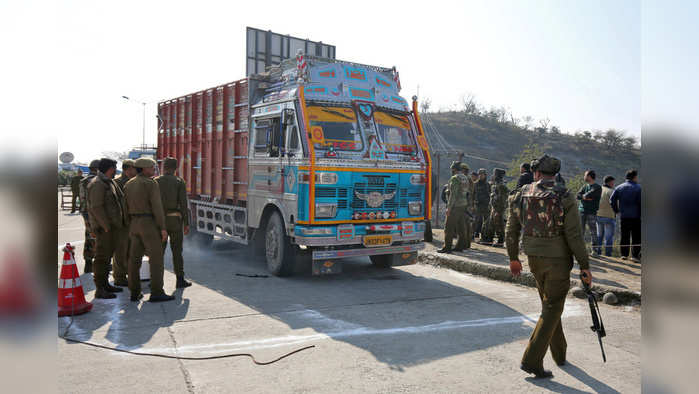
(597, 324)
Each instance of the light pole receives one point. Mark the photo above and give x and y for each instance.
(143, 103)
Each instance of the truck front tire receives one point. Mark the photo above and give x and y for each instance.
(278, 249)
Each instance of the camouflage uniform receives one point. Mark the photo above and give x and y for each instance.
(465, 242)
(546, 213)
(456, 205)
(89, 246)
(482, 203)
(495, 224)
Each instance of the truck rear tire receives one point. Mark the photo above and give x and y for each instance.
(279, 252)
(381, 260)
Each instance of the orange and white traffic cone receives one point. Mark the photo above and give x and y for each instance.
(71, 298)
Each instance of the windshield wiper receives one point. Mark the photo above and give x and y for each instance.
(338, 113)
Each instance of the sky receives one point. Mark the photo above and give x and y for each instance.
(577, 63)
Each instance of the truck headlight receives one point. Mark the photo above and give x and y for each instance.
(415, 207)
(326, 210)
(326, 178)
(317, 231)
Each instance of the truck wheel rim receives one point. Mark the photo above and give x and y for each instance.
(272, 246)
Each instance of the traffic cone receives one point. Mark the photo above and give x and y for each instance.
(71, 298)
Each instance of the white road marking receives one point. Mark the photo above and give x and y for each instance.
(352, 330)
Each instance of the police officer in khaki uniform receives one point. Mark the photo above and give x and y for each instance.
(107, 219)
(456, 207)
(89, 246)
(547, 215)
(121, 253)
(173, 193)
(147, 230)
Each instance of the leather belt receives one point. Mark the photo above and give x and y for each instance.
(178, 214)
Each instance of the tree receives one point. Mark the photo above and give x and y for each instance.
(425, 105)
(528, 153)
(469, 104)
(528, 121)
(555, 130)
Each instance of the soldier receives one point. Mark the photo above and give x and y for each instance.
(498, 205)
(147, 230)
(465, 243)
(482, 197)
(547, 215)
(121, 253)
(107, 219)
(75, 188)
(89, 248)
(456, 207)
(173, 193)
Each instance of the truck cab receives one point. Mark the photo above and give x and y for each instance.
(336, 158)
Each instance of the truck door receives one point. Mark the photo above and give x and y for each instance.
(265, 166)
(292, 157)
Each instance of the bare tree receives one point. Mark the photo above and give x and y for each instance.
(469, 104)
(528, 121)
(425, 105)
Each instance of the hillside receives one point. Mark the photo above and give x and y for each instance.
(502, 141)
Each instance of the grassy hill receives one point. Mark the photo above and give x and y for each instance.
(486, 137)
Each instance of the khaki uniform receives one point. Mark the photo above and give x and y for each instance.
(465, 243)
(173, 194)
(458, 201)
(121, 253)
(549, 220)
(107, 220)
(89, 248)
(75, 190)
(145, 209)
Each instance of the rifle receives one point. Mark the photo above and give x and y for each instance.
(597, 324)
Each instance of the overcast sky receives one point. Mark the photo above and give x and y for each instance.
(575, 62)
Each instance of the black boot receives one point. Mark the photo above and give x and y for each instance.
(88, 266)
(446, 249)
(538, 373)
(103, 293)
(181, 283)
(113, 289)
(135, 298)
(160, 298)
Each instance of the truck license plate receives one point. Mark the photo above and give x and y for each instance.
(377, 240)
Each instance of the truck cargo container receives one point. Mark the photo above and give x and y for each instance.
(316, 156)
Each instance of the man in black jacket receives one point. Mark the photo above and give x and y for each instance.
(482, 195)
(526, 177)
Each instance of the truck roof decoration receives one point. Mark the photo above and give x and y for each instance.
(336, 81)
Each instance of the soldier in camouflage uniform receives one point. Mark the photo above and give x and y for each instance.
(89, 246)
(456, 207)
(498, 205)
(173, 193)
(546, 213)
(482, 201)
(465, 243)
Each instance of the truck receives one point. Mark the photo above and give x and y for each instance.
(314, 156)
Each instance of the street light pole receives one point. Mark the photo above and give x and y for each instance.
(143, 121)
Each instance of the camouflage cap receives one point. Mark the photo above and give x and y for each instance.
(170, 163)
(144, 162)
(95, 164)
(464, 167)
(482, 171)
(126, 164)
(455, 165)
(546, 165)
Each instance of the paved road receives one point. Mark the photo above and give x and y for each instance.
(413, 329)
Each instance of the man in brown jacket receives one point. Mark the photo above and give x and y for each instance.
(107, 219)
(121, 253)
(147, 230)
(174, 195)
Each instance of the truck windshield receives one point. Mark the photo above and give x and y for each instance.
(394, 132)
(336, 127)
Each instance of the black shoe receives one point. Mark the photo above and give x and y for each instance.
(444, 250)
(135, 298)
(160, 298)
(88, 267)
(624, 258)
(561, 364)
(113, 289)
(103, 293)
(121, 282)
(538, 373)
(181, 283)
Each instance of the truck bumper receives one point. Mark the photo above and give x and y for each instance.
(343, 253)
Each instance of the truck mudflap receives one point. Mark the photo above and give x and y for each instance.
(343, 253)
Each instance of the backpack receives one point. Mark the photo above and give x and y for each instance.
(541, 211)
